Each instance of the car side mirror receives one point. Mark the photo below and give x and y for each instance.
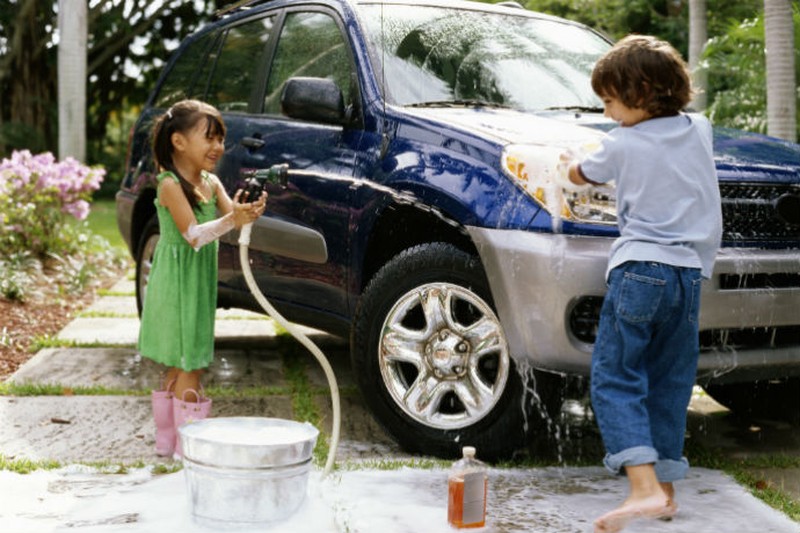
(314, 99)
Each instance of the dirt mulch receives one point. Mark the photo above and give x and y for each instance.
(45, 315)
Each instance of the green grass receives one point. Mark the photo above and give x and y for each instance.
(10, 388)
(40, 342)
(102, 220)
(26, 466)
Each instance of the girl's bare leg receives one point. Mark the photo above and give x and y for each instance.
(187, 381)
(647, 499)
(170, 377)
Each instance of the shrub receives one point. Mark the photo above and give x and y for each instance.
(16, 274)
(38, 195)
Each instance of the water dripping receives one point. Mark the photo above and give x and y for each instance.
(531, 398)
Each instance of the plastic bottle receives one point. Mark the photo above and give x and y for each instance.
(466, 491)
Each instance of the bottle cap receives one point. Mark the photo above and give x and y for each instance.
(468, 451)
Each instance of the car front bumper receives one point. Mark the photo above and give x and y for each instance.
(538, 279)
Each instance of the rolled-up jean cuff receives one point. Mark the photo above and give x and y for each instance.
(638, 455)
(669, 470)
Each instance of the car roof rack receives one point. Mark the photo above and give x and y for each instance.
(235, 6)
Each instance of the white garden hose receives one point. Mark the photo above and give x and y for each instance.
(244, 244)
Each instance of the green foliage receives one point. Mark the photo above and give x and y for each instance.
(617, 18)
(15, 275)
(43, 240)
(102, 221)
(129, 41)
(37, 195)
(667, 19)
(734, 54)
(737, 74)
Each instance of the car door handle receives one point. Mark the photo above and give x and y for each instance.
(252, 142)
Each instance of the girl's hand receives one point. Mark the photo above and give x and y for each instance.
(246, 212)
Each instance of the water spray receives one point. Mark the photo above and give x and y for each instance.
(279, 174)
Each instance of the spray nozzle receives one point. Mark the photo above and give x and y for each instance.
(256, 181)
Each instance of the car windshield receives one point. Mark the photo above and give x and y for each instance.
(439, 56)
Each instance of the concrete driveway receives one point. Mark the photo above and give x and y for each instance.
(79, 429)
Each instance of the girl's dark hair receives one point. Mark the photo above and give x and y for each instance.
(181, 118)
(644, 73)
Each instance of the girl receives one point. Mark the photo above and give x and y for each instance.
(177, 326)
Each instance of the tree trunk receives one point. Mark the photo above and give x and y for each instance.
(27, 80)
(781, 88)
(698, 35)
(72, 79)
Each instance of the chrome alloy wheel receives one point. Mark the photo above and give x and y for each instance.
(443, 356)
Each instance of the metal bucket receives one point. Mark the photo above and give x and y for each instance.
(246, 471)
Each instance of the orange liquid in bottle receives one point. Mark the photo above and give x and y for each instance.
(455, 505)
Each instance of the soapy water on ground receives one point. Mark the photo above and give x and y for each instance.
(545, 500)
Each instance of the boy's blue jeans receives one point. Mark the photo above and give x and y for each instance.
(644, 365)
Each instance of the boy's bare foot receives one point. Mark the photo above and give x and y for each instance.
(656, 506)
(669, 490)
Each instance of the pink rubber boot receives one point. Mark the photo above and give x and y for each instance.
(161, 401)
(185, 412)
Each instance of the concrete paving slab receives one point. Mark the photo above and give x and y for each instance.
(357, 426)
(120, 306)
(101, 330)
(125, 285)
(125, 330)
(116, 368)
(124, 368)
(119, 429)
(77, 428)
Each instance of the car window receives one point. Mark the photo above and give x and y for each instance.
(189, 74)
(236, 65)
(438, 54)
(310, 44)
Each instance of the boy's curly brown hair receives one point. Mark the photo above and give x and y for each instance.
(644, 73)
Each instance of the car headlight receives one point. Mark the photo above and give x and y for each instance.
(533, 168)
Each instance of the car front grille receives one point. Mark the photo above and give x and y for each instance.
(752, 213)
(749, 338)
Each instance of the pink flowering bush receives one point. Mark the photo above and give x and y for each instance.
(38, 197)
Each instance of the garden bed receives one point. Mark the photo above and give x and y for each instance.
(43, 315)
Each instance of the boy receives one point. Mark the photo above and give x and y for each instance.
(669, 216)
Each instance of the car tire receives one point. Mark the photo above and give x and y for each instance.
(426, 342)
(772, 399)
(144, 259)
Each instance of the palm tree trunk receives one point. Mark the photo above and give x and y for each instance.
(72, 78)
(781, 86)
(698, 35)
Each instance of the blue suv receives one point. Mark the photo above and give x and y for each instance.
(420, 223)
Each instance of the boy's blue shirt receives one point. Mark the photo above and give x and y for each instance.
(668, 202)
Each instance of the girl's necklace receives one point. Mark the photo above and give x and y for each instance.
(199, 190)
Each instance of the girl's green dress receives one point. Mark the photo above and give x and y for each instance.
(177, 326)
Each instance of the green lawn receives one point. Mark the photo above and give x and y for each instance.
(103, 221)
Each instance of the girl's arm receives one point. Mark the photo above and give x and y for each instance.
(173, 198)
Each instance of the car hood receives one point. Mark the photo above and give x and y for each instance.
(506, 126)
(739, 155)
(749, 156)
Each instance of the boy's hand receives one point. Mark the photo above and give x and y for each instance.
(567, 176)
